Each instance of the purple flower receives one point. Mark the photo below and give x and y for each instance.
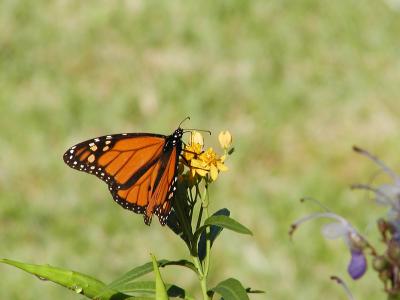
(341, 228)
(357, 265)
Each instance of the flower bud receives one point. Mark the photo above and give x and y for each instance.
(225, 139)
(196, 138)
(357, 265)
(379, 263)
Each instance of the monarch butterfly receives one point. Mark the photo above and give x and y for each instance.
(139, 168)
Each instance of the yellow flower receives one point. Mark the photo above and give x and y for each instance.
(201, 163)
(225, 139)
(191, 151)
(212, 163)
(197, 166)
(195, 146)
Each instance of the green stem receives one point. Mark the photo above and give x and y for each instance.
(202, 278)
(204, 288)
(202, 269)
(208, 242)
(198, 266)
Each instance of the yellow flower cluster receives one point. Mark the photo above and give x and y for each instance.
(206, 162)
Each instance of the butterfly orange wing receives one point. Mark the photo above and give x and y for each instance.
(139, 168)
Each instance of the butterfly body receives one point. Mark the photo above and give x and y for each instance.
(139, 168)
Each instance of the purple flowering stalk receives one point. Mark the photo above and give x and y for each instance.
(341, 228)
(387, 263)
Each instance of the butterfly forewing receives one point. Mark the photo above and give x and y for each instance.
(139, 168)
(165, 186)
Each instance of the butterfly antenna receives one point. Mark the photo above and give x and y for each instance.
(191, 129)
(187, 118)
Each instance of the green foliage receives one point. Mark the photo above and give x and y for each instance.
(122, 289)
(136, 288)
(225, 222)
(214, 233)
(127, 285)
(161, 292)
(231, 289)
(142, 270)
(78, 282)
(222, 222)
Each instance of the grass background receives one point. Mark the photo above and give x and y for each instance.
(296, 82)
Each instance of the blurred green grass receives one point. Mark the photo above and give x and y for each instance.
(297, 83)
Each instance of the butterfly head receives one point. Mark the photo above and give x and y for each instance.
(174, 140)
(178, 133)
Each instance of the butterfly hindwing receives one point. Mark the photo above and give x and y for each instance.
(139, 168)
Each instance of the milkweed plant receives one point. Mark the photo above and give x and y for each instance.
(386, 263)
(193, 224)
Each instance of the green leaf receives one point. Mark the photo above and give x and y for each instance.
(222, 221)
(231, 289)
(78, 282)
(137, 288)
(145, 269)
(228, 223)
(134, 274)
(161, 292)
(214, 233)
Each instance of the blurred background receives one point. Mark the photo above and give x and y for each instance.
(296, 82)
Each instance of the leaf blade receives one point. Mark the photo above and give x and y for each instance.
(231, 289)
(133, 274)
(78, 282)
(228, 223)
(138, 288)
(147, 268)
(214, 233)
(224, 222)
(161, 292)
